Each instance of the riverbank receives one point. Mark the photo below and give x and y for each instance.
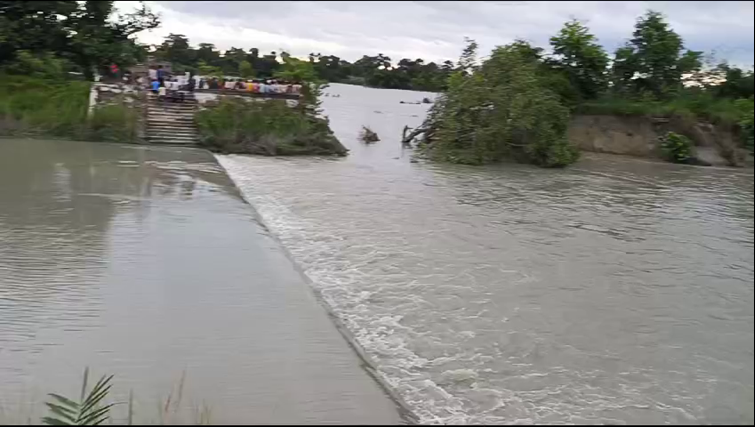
(60, 109)
(144, 262)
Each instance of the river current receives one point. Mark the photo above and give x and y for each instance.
(617, 290)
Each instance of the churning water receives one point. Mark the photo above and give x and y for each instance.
(613, 291)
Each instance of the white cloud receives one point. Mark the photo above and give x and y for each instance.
(436, 30)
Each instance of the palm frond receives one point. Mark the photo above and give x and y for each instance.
(89, 410)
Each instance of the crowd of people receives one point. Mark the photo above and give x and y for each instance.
(251, 85)
(167, 86)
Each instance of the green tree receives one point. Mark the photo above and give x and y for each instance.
(502, 109)
(245, 69)
(86, 33)
(652, 61)
(581, 58)
(297, 70)
(206, 70)
(208, 54)
(176, 50)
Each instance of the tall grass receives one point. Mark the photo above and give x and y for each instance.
(36, 107)
(268, 127)
(93, 407)
(695, 106)
(39, 107)
(113, 123)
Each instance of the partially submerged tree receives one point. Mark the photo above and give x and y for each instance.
(502, 109)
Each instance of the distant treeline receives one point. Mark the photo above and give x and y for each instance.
(376, 71)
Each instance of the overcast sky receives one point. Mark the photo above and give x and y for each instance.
(435, 30)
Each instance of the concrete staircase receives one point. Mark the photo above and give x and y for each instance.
(171, 122)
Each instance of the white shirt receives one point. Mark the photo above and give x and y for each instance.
(162, 91)
(152, 74)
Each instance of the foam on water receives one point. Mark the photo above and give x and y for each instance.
(601, 294)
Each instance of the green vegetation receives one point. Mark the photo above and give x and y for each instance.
(375, 71)
(45, 45)
(489, 111)
(82, 35)
(497, 110)
(516, 104)
(745, 107)
(92, 409)
(269, 128)
(36, 107)
(32, 106)
(89, 410)
(115, 122)
(677, 148)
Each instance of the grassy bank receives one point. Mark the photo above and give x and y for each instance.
(270, 128)
(733, 114)
(723, 111)
(46, 108)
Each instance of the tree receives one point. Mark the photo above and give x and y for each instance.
(206, 70)
(294, 69)
(245, 69)
(83, 32)
(652, 60)
(581, 58)
(33, 26)
(176, 50)
(737, 84)
(501, 109)
(467, 61)
(208, 54)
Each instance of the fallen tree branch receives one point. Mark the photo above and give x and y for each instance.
(407, 139)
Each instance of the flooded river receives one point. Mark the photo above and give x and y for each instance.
(614, 291)
(146, 263)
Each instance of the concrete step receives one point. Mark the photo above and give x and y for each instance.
(171, 128)
(176, 139)
(157, 121)
(186, 128)
(186, 102)
(176, 143)
(166, 117)
(171, 110)
(181, 113)
(172, 132)
(170, 125)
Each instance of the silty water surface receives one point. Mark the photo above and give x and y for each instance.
(617, 290)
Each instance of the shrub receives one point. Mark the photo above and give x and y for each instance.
(502, 109)
(35, 106)
(745, 107)
(676, 148)
(113, 123)
(268, 127)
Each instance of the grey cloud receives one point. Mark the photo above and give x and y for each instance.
(436, 30)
